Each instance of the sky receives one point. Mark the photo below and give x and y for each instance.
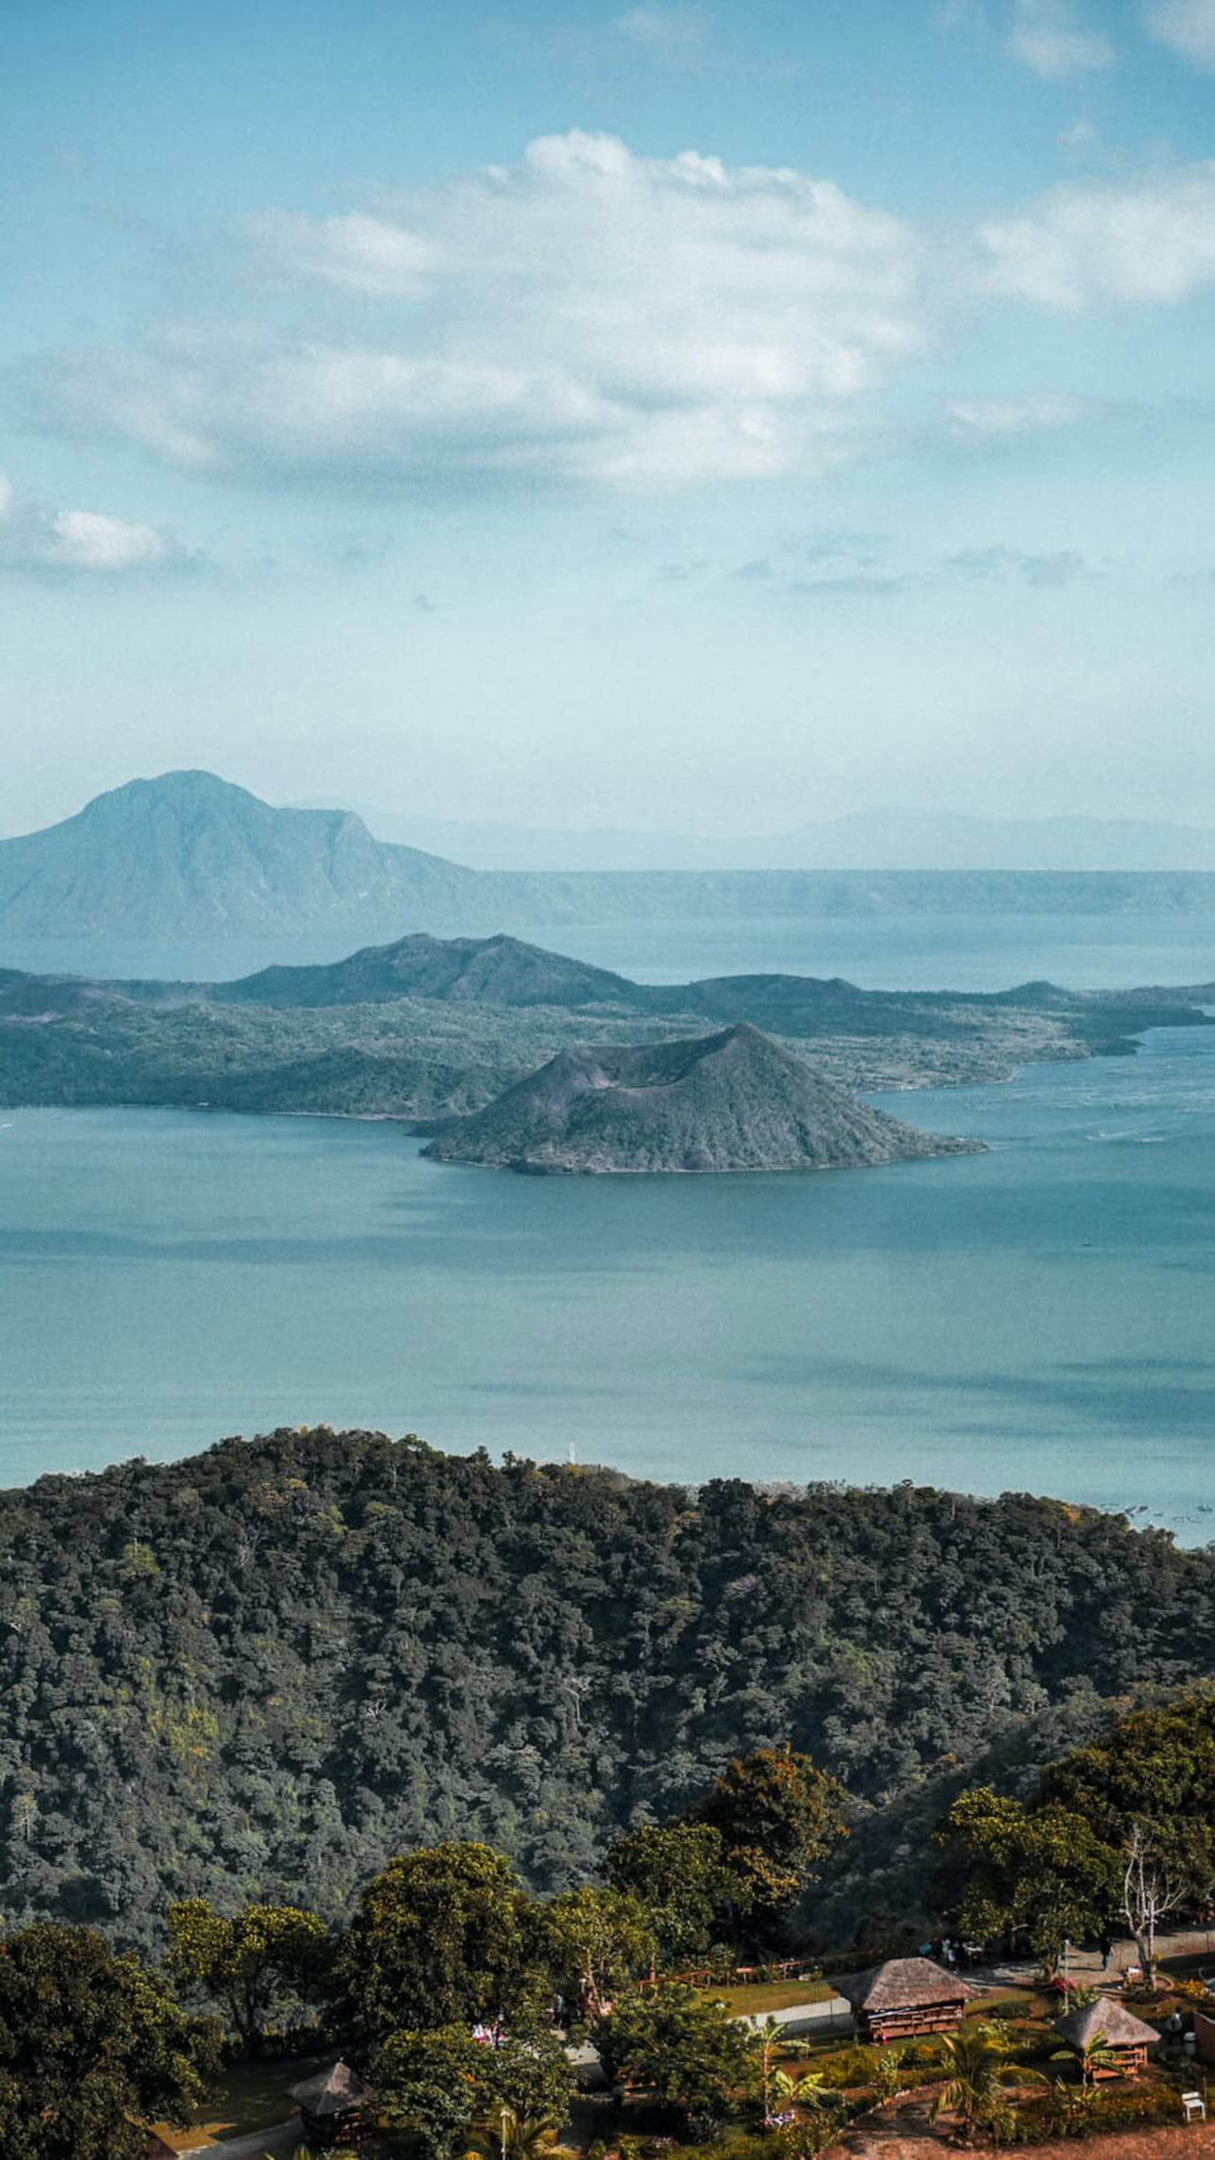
(577, 415)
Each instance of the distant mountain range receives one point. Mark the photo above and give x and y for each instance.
(731, 1101)
(187, 863)
(880, 839)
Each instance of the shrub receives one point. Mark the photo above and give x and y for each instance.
(1069, 2112)
(854, 2065)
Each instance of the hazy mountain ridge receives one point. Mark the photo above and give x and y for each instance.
(189, 859)
(886, 838)
(733, 1101)
(189, 854)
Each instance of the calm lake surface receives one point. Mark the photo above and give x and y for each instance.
(908, 952)
(1040, 1317)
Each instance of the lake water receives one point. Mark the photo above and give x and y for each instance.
(1039, 1317)
(1111, 950)
(908, 952)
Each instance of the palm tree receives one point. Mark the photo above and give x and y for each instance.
(977, 2075)
(806, 2091)
(507, 2136)
(770, 2044)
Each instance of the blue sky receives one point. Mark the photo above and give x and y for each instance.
(630, 415)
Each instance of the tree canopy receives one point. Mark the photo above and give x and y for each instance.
(601, 1940)
(777, 1818)
(437, 2084)
(680, 1873)
(1055, 1866)
(685, 2054)
(444, 1935)
(89, 2041)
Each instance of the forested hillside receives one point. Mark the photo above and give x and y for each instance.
(263, 1671)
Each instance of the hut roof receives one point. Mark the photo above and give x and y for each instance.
(909, 1983)
(333, 2092)
(1106, 2020)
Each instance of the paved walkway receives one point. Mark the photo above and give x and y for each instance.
(284, 2138)
(1086, 1964)
(834, 2015)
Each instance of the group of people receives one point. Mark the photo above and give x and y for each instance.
(952, 1954)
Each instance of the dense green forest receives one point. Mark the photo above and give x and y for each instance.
(262, 1672)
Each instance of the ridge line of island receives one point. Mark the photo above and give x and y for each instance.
(504, 1054)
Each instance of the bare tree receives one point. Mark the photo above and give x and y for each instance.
(1147, 1896)
(576, 1686)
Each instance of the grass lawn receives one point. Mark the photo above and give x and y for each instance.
(757, 1998)
(1036, 2003)
(245, 2097)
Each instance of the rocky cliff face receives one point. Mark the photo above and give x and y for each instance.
(732, 1101)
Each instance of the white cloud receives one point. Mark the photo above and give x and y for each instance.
(1188, 26)
(358, 254)
(586, 313)
(33, 538)
(985, 419)
(1150, 240)
(1052, 38)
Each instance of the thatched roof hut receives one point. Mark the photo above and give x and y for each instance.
(331, 2104)
(1111, 2025)
(905, 1996)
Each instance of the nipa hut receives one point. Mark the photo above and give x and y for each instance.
(331, 2105)
(1112, 2026)
(905, 1996)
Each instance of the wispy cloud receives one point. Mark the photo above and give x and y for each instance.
(674, 34)
(34, 538)
(998, 564)
(1055, 40)
(853, 585)
(843, 559)
(1187, 26)
(684, 39)
(1147, 240)
(356, 254)
(983, 420)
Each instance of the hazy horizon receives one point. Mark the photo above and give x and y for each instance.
(729, 423)
(880, 835)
